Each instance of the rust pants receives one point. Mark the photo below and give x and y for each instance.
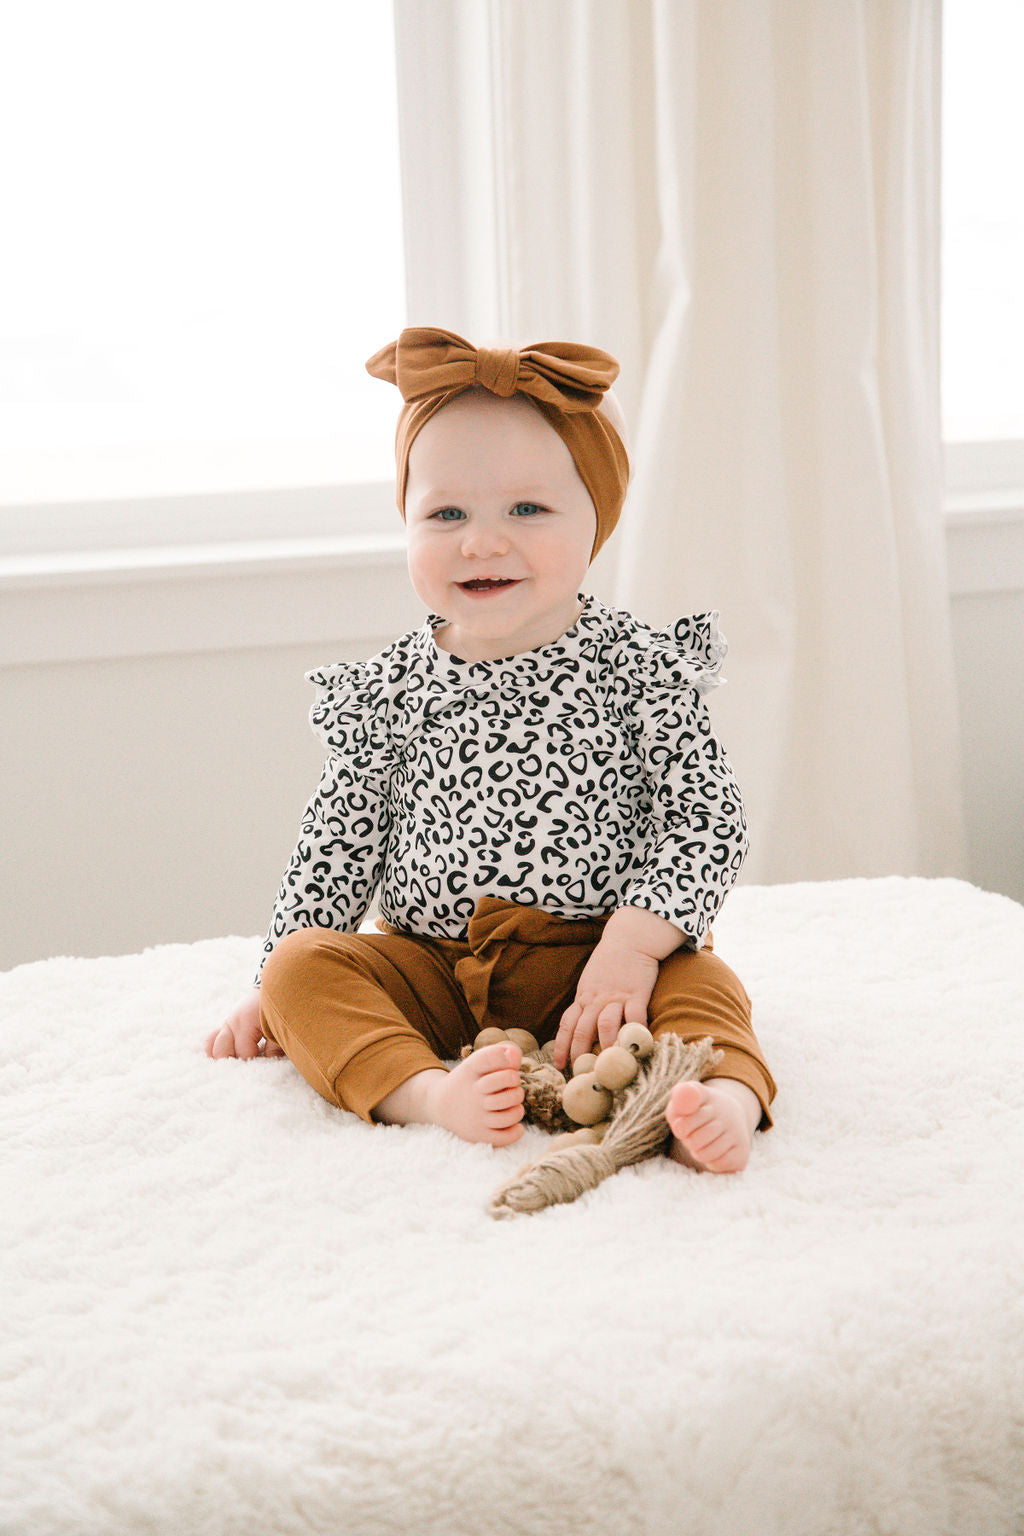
(359, 1013)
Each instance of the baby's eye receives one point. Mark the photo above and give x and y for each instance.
(527, 506)
(442, 514)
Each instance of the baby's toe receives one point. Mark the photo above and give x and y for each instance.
(709, 1143)
(685, 1100)
(494, 1058)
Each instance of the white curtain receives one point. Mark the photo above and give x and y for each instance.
(740, 201)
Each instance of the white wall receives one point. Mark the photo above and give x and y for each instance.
(988, 635)
(152, 799)
(155, 798)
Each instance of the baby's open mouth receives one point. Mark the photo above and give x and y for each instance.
(485, 583)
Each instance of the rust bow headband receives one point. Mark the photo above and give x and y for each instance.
(564, 382)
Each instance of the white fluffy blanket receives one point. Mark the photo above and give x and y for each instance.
(230, 1308)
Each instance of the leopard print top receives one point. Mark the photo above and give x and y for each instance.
(577, 777)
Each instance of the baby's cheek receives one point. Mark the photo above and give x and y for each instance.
(426, 563)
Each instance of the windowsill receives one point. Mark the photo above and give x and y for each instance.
(111, 604)
(109, 526)
(189, 562)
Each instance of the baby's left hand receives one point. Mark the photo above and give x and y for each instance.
(614, 989)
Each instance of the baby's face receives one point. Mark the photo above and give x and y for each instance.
(493, 491)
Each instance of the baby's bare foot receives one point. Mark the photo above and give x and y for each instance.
(482, 1098)
(712, 1124)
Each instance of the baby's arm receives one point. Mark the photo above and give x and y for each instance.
(329, 883)
(339, 857)
(240, 1034)
(700, 830)
(338, 861)
(636, 928)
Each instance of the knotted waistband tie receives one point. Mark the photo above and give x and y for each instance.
(499, 935)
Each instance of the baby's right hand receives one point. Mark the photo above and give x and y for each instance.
(240, 1034)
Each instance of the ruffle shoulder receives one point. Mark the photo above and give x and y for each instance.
(349, 713)
(687, 654)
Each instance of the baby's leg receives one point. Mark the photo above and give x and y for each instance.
(360, 1015)
(712, 1123)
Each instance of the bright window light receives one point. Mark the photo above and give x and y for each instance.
(202, 244)
(983, 221)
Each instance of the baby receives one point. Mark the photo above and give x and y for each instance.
(530, 779)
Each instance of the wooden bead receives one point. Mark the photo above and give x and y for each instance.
(593, 1133)
(526, 1042)
(565, 1139)
(616, 1067)
(585, 1101)
(636, 1038)
(492, 1035)
(584, 1063)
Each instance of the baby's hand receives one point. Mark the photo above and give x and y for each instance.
(240, 1034)
(614, 989)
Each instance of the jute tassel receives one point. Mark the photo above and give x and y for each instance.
(638, 1130)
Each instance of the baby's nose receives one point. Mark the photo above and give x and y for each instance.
(481, 540)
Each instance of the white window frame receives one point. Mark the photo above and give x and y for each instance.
(63, 533)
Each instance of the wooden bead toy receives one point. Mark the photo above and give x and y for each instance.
(616, 1128)
(492, 1035)
(589, 1101)
(616, 1067)
(586, 1134)
(526, 1042)
(636, 1038)
(585, 1101)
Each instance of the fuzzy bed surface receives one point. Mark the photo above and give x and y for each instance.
(229, 1308)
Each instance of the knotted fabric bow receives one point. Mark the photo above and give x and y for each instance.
(565, 382)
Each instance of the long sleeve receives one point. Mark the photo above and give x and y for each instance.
(697, 821)
(339, 857)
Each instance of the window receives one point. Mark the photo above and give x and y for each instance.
(983, 245)
(203, 244)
